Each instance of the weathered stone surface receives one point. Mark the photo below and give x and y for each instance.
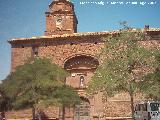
(60, 51)
(61, 18)
(65, 47)
(22, 114)
(46, 113)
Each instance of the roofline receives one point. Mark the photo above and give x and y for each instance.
(85, 34)
(62, 36)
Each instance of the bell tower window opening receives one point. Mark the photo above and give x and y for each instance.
(58, 20)
(35, 51)
(81, 81)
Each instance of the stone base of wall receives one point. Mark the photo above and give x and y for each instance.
(114, 108)
(20, 114)
(117, 109)
(51, 113)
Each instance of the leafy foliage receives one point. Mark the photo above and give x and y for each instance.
(151, 83)
(125, 63)
(65, 95)
(35, 83)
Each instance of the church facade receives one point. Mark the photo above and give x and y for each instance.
(76, 53)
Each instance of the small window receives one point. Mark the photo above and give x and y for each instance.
(35, 50)
(71, 43)
(136, 108)
(82, 81)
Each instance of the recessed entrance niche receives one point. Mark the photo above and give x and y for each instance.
(81, 62)
(81, 69)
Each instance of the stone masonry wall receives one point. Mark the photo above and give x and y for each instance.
(57, 50)
(60, 50)
(19, 56)
(26, 114)
(59, 53)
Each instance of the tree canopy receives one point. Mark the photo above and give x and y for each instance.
(151, 83)
(124, 64)
(38, 82)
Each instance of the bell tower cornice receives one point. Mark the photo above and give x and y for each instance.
(61, 18)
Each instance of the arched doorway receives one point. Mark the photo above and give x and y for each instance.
(82, 110)
(81, 68)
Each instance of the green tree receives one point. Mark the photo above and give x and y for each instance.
(124, 64)
(151, 83)
(67, 98)
(36, 83)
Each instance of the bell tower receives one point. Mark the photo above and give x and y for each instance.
(61, 18)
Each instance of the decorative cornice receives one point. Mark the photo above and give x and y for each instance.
(64, 1)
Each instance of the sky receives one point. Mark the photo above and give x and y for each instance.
(26, 18)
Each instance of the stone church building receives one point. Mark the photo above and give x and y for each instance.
(76, 53)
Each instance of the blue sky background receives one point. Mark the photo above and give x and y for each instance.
(26, 18)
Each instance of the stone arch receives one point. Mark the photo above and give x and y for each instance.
(76, 55)
(79, 59)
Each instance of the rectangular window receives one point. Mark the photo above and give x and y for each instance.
(81, 82)
(35, 51)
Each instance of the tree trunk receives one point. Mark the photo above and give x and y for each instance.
(33, 113)
(132, 105)
(39, 115)
(63, 112)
